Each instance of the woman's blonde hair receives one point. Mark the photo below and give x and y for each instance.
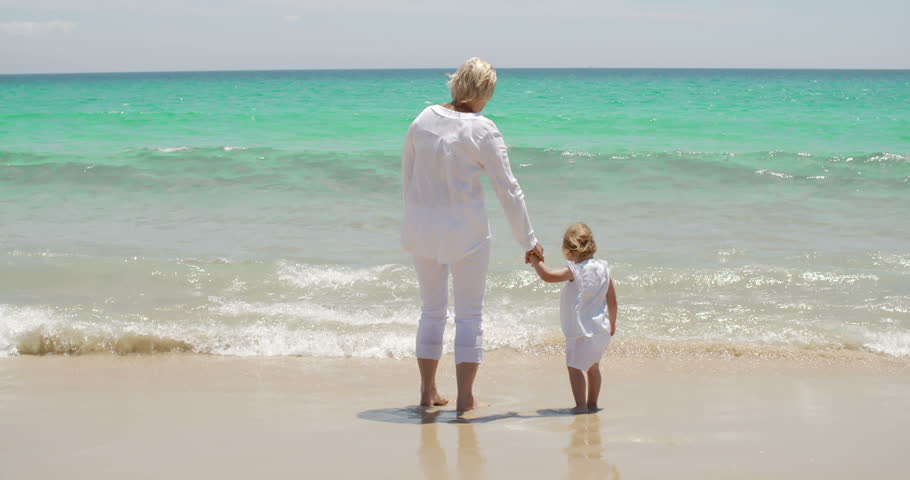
(579, 240)
(475, 79)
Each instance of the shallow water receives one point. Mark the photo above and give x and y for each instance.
(256, 213)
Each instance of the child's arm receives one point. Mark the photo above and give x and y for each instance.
(612, 307)
(549, 275)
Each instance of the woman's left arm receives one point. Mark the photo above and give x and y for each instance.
(496, 163)
(407, 165)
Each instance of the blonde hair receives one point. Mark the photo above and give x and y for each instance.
(475, 79)
(578, 240)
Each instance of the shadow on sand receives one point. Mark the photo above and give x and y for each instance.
(417, 415)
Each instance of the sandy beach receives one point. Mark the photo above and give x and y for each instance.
(200, 416)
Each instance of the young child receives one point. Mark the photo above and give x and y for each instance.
(587, 311)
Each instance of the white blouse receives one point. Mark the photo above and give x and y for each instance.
(583, 304)
(445, 153)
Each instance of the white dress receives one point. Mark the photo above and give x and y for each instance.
(583, 313)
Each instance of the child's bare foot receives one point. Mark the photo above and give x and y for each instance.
(593, 407)
(430, 399)
(579, 410)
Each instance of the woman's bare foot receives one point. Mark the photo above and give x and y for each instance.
(467, 404)
(578, 410)
(592, 407)
(431, 399)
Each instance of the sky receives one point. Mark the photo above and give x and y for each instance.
(57, 36)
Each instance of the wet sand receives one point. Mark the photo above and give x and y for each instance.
(197, 416)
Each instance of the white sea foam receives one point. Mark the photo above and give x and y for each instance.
(774, 174)
(329, 276)
(719, 279)
(887, 157)
(901, 261)
(173, 149)
(894, 343)
(38, 253)
(897, 304)
(276, 333)
(17, 321)
(577, 153)
(836, 278)
(315, 314)
(282, 329)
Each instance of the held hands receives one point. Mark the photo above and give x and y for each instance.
(536, 252)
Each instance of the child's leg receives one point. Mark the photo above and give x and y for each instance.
(577, 380)
(593, 386)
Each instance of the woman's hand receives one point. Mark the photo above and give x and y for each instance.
(537, 250)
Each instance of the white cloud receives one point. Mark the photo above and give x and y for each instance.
(36, 28)
(292, 18)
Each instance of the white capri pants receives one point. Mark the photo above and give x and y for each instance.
(469, 280)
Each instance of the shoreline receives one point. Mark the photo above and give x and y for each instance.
(76, 344)
(186, 416)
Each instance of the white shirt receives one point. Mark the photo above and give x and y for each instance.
(583, 303)
(445, 153)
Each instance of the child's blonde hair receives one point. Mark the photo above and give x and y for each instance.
(579, 240)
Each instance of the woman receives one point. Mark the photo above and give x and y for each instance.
(445, 224)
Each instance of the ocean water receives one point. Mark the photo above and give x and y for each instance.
(256, 213)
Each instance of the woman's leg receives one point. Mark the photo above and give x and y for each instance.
(429, 394)
(465, 373)
(469, 281)
(433, 279)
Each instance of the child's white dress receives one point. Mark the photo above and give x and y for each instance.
(583, 313)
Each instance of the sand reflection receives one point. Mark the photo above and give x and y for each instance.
(585, 450)
(431, 456)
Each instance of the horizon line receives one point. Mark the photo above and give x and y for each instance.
(354, 69)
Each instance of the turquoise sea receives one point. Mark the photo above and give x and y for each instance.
(256, 213)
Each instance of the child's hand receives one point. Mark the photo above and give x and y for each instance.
(533, 258)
